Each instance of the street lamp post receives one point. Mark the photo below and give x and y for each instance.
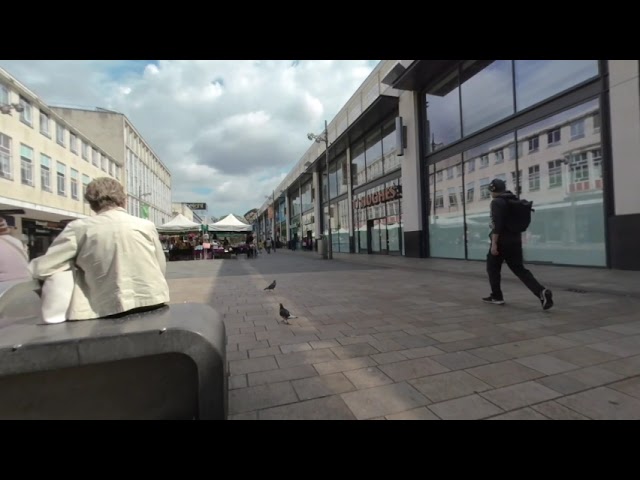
(324, 137)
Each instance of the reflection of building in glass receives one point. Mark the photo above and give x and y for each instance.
(561, 133)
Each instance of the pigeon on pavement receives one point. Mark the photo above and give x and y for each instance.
(285, 314)
(272, 286)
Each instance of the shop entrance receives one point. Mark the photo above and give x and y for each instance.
(377, 236)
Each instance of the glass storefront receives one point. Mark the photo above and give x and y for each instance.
(555, 162)
(446, 209)
(340, 226)
(481, 93)
(374, 156)
(307, 196)
(308, 228)
(377, 218)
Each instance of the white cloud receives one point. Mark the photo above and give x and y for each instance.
(233, 126)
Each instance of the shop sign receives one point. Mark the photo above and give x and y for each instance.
(389, 194)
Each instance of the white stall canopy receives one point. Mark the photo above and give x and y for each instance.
(179, 223)
(230, 223)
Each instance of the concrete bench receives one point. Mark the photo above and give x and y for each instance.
(12, 292)
(164, 364)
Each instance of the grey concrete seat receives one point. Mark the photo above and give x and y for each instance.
(164, 364)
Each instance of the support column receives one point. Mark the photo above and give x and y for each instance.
(412, 196)
(317, 206)
(287, 217)
(352, 244)
(624, 118)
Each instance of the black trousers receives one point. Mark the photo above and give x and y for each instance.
(510, 251)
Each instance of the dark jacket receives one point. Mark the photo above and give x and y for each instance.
(499, 215)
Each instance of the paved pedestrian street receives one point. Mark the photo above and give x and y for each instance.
(374, 339)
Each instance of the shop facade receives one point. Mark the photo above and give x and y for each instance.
(564, 134)
(537, 124)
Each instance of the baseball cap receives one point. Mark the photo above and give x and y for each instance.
(497, 186)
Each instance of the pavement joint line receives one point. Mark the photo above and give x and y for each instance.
(552, 286)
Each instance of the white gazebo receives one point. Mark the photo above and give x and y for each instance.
(230, 223)
(179, 223)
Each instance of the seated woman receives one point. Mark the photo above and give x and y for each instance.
(118, 261)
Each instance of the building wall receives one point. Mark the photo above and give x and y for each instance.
(106, 128)
(412, 194)
(181, 208)
(546, 127)
(148, 180)
(45, 162)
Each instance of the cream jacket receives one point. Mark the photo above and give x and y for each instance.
(118, 261)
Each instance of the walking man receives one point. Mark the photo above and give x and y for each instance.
(509, 218)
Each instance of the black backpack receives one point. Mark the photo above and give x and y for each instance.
(519, 215)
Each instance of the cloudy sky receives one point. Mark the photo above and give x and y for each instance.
(229, 130)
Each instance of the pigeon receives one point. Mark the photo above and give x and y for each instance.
(272, 286)
(285, 314)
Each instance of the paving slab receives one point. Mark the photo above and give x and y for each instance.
(383, 400)
(472, 407)
(448, 352)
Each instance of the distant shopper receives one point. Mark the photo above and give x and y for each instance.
(14, 259)
(117, 259)
(509, 218)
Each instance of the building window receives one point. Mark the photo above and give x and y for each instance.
(596, 159)
(534, 144)
(60, 176)
(85, 150)
(449, 173)
(486, 92)
(538, 80)
(471, 165)
(553, 137)
(484, 188)
(26, 165)
(577, 129)
(439, 176)
(534, 178)
(443, 112)
(5, 156)
(95, 158)
(453, 198)
(470, 192)
(596, 122)
(484, 161)
(105, 163)
(512, 151)
(4, 95)
(112, 169)
(26, 116)
(85, 182)
(45, 172)
(439, 199)
(60, 134)
(579, 167)
(555, 173)
(499, 156)
(74, 184)
(45, 124)
(73, 142)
